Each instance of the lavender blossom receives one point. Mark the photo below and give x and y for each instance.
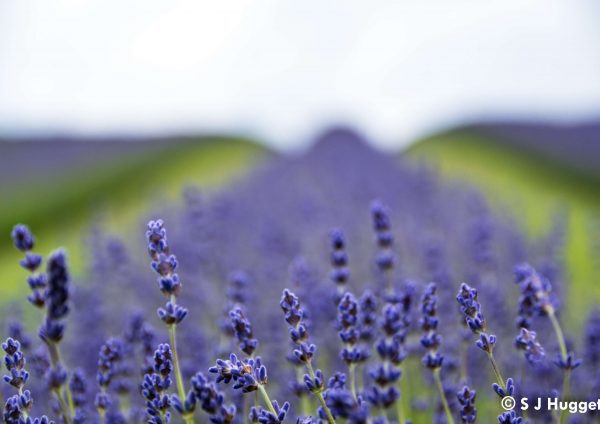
(431, 341)
(111, 353)
(339, 261)
(385, 242)
(466, 399)
(527, 342)
(243, 331)
(304, 350)
(18, 406)
(155, 386)
(24, 241)
(212, 401)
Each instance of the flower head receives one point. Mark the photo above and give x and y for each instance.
(14, 360)
(246, 374)
(156, 384)
(57, 297)
(339, 260)
(243, 331)
(211, 400)
(431, 339)
(466, 399)
(22, 238)
(527, 341)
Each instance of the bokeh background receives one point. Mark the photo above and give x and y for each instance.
(109, 108)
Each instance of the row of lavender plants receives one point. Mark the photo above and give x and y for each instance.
(382, 332)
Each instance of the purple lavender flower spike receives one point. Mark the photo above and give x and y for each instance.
(243, 331)
(385, 242)
(466, 399)
(18, 406)
(342, 404)
(111, 353)
(211, 400)
(348, 332)
(57, 297)
(24, 241)
(429, 322)
(14, 361)
(339, 261)
(164, 264)
(156, 385)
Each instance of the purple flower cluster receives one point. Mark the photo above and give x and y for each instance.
(374, 357)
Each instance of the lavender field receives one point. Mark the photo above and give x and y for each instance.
(337, 285)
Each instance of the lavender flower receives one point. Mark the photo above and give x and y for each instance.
(304, 350)
(347, 322)
(429, 322)
(471, 310)
(383, 394)
(339, 261)
(276, 416)
(527, 341)
(15, 364)
(22, 238)
(509, 417)
(367, 316)
(164, 264)
(243, 331)
(24, 241)
(78, 386)
(18, 406)
(211, 400)
(247, 374)
(466, 399)
(155, 386)
(385, 243)
(341, 402)
(431, 341)
(57, 297)
(111, 353)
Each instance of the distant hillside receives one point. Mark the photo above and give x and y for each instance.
(523, 172)
(577, 145)
(59, 187)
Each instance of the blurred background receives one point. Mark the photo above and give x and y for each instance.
(109, 107)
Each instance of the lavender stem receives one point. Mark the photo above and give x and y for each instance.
(438, 381)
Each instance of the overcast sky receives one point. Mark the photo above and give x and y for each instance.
(281, 69)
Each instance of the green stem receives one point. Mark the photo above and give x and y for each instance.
(63, 406)
(319, 395)
(188, 418)
(266, 398)
(560, 337)
(67, 410)
(304, 403)
(496, 370)
(559, 333)
(438, 381)
(24, 412)
(400, 411)
(352, 380)
(565, 394)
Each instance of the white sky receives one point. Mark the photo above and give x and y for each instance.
(282, 69)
